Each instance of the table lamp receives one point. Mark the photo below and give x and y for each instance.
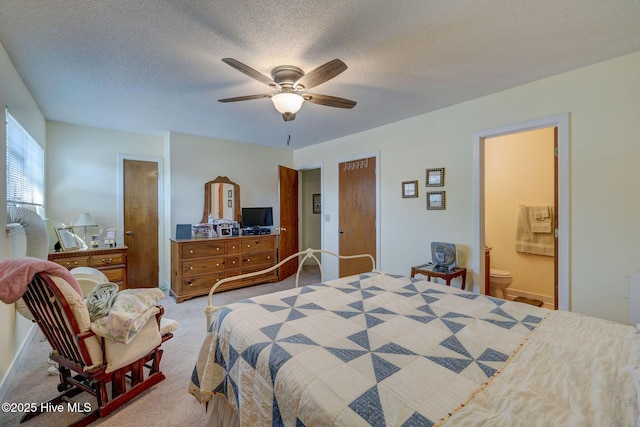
(85, 221)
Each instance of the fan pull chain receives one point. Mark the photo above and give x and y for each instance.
(289, 134)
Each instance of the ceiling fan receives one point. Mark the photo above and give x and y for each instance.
(290, 83)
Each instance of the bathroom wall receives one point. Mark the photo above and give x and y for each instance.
(519, 170)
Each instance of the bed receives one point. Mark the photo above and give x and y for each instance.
(388, 350)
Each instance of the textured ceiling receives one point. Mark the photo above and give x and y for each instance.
(153, 66)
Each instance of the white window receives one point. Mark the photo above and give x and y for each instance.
(25, 167)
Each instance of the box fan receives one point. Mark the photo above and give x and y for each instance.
(443, 255)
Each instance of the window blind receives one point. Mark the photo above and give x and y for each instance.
(25, 166)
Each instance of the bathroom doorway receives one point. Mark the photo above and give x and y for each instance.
(563, 207)
(520, 183)
(311, 209)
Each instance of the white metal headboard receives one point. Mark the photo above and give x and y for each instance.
(308, 254)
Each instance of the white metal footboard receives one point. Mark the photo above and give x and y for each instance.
(309, 253)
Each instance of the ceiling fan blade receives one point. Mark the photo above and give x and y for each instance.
(245, 98)
(288, 117)
(243, 68)
(321, 74)
(329, 101)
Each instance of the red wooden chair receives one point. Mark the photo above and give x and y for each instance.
(83, 356)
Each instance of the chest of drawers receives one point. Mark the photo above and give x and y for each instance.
(111, 261)
(197, 264)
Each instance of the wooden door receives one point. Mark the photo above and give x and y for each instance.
(288, 194)
(140, 182)
(357, 214)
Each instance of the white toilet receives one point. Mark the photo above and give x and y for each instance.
(499, 280)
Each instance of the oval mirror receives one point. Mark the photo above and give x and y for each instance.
(221, 200)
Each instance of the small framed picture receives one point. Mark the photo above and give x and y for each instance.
(229, 193)
(317, 204)
(435, 177)
(110, 237)
(229, 203)
(409, 189)
(67, 238)
(436, 200)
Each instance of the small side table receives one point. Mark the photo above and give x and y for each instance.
(430, 271)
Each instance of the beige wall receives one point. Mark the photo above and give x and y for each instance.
(196, 160)
(519, 170)
(82, 172)
(604, 153)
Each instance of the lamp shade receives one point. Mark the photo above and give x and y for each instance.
(287, 102)
(85, 221)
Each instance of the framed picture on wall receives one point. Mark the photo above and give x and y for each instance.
(409, 189)
(436, 200)
(317, 204)
(435, 177)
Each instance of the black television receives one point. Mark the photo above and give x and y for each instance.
(257, 217)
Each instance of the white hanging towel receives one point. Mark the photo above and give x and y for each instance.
(535, 242)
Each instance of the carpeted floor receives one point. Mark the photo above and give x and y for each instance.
(167, 403)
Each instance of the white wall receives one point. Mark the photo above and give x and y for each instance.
(82, 172)
(196, 160)
(14, 94)
(604, 105)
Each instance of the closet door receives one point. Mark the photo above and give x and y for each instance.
(357, 229)
(140, 188)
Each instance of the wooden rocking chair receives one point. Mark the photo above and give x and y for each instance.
(83, 356)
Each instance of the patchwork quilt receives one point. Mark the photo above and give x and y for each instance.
(373, 349)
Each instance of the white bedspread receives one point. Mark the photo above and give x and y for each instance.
(390, 350)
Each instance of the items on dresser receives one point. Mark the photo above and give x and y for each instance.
(112, 262)
(197, 264)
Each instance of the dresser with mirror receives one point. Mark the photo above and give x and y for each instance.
(197, 264)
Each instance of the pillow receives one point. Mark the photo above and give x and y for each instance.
(81, 314)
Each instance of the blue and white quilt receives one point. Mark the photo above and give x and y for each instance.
(373, 349)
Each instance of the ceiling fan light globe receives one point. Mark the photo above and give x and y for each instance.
(287, 102)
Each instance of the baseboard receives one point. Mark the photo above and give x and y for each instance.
(511, 294)
(5, 384)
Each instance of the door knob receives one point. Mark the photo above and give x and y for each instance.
(283, 228)
(341, 231)
(128, 233)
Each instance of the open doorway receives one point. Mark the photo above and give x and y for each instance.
(311, 210)
(520, 183)
(561, 122)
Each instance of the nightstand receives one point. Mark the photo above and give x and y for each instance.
(430, 270)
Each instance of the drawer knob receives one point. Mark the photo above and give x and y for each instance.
(191, 251)
(268, 257)
(217, 249)
(248, 260)
(191, 268)
(218, 264)
(190, 283)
